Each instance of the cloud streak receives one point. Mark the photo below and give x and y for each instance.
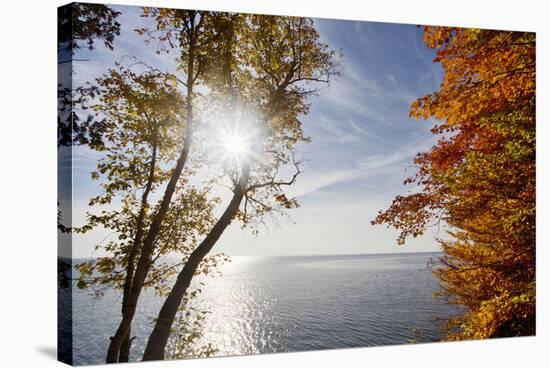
(363, 167)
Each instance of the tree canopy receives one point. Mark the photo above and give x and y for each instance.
(479, 179)
(239, 77)
(260, 90)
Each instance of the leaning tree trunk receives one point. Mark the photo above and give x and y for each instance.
(143, 264)
(124, 354)
(161, 332)
(144, 261)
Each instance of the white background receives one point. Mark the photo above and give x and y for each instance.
(28, 181)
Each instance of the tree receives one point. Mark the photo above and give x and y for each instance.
(79, 23)
(76, 23)
(139, 116)
(479, 179)
(129, 113)
(193, 32)
(268, 66)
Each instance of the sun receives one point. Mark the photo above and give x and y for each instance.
(235, 144)
(235, 139)
(234, 148)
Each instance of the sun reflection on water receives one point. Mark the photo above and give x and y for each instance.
(241, 311)
(283, 304)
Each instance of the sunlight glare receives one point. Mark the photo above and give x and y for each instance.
(234, 147)
(234, 144)
(235, 139)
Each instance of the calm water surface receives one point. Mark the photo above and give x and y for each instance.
(283, 304)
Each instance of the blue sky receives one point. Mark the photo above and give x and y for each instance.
(362, 142)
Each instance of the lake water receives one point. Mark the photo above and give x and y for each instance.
(284, 304)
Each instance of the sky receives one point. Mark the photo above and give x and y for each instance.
(363, 143)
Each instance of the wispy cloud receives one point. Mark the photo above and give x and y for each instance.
(338, 131)
(362, 167)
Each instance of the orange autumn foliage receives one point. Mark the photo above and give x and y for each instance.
(479, 179)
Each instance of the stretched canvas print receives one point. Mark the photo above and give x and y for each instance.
(235, 184)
